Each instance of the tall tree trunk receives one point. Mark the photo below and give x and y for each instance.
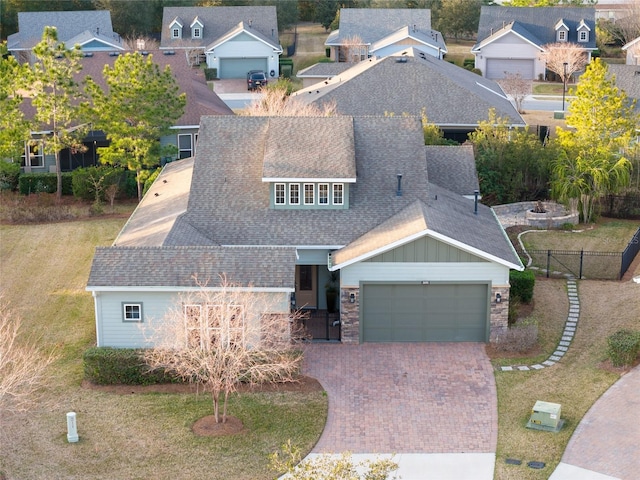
(216, 405)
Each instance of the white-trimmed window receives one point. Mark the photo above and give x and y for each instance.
(132, 312)
(33, 155)
(197, 32)
(175, 32)
(323, 194)
(294, 194)
(583, 36)
(185, 145)
(309, 194)
(280, 193)
(223, 325)
(338, 194)
(562, 35)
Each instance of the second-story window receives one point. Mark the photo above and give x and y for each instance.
(280, 194)
(309, 194)
(294, 194)
(323, 194)
(338, 194)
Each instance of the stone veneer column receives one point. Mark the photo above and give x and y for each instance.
(499, 321)
(350, 315)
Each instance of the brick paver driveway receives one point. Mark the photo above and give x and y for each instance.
(406, 398)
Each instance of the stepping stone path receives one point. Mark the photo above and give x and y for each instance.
(567, 335)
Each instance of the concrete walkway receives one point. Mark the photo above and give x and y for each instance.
(434, 405)
(606, 444)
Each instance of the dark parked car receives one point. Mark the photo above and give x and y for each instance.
(256, 79)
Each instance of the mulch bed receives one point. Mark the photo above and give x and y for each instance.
(303, 384)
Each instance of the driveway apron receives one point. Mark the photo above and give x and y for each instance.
(406, 398)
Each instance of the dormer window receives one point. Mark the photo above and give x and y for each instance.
(175, 28)
(308, 195)
(196, 28)
(583, 36)
(562, 35)
(562, 31)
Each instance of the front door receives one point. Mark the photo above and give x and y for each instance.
(306, 286)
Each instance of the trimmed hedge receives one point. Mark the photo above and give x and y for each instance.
(120, 366)
(84, 179)
(44, 183)
(522, 284)
(623, 347)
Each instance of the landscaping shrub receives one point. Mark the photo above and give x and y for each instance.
(9, 174)
(113, 366)
(469, 62)
(520, 337)
(44, 183)
(210, 73)
(522, 284)
(623, 347)
(84, 181)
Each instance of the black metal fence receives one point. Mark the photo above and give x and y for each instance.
(630, 252)
(580, 264)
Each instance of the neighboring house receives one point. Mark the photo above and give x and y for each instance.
(368, 32)
(633, 52)
(233, 40)
(410, 82)
(276, 204)
(91, 29)
(201, 100)
(627, 79)
(511, 39)
(614, 10)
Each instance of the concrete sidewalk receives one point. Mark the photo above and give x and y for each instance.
(606, 444)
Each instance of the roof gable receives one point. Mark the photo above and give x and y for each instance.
(373, 24)
(243, 32)
(448, 94)
(540, 22)
(218, 23)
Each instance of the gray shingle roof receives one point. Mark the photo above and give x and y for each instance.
(373, 24)
(68, 23)
(324, 70)
(304, 153)
(453, 167)
(271, 267)
(449, 95)
(539, 22)
(627, 79)
(217, 22)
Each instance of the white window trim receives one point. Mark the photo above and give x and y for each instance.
(284, 194)
(334, 187)
(291, 185)
(207, 329)
(562, 35)
(175, 32)
(313, 194)
(196, 32)
(582, 33)
(191, 148)
(131, 319)
(38, 152)
(326, 202)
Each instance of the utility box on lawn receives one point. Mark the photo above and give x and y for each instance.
(546, 416)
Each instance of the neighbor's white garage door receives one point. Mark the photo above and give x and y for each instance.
(238, 67)
(496, 68)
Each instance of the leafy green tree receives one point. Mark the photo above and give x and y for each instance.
(433, 135)
(459, 17)
(14, 129)
(56, 96)
(140, 105)
(326, 11)
(513, 165)
(603, 123)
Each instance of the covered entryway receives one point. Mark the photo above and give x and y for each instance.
(238, 67)
(424, 312)
(496, 68)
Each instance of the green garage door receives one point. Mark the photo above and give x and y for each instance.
(424, 313)
(238, 67)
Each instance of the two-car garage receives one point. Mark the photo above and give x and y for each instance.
(498, 68)
(425, 312)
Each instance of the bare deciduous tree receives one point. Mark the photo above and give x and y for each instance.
(627, 28)
(220, 337)
(513, 84)
(564, 59)
(22, 364)
(352, 49)
(276, 102)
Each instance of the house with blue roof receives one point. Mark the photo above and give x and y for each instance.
(511, 39)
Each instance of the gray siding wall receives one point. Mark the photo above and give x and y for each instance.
(113, 331)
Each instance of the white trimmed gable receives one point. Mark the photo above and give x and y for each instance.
(197, 28)
(562, 31)
(583, 32)
(175, 27)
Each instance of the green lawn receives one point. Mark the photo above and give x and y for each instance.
(44, 272)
